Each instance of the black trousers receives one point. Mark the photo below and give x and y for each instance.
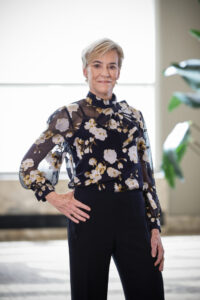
(117, 228)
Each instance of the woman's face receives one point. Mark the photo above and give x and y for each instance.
(102, 73)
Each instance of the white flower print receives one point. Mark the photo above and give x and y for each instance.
(99, 133)
(101, 168)
(107, 111)
(78, 144)
(40, 140)
(152, 202)
(145, 156)
(76, 179)
(62, 124)
(113, 124)
(117, 187)
(127, 141)
(158, 222)
(132, 183)
(34, 174)
(120, 165)
(69, 134)
(95, 175)
(110, 155)
(27, 180)
(90, 124)
(52, 159)
(141, 144)
(50, 187)
(57, 139)
(72, 107)
(131, 132)
(148, 215)
(92, 161)
(136, 114)
(43, 137)
(125, 107)
(87, 150)
(113, 172)
(145, 185)
(27, 163)
(132, 152)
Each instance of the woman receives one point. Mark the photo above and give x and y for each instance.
(113, 209)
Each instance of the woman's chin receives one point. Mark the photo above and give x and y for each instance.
(104, 91)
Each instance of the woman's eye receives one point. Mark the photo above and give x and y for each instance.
(112, 67)
(96, 66)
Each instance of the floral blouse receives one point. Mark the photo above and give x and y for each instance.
(104, 143)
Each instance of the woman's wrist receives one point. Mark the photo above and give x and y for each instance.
(50, 196)
(155, 231)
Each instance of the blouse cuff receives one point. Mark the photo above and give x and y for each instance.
(154, 224)
(43, 190)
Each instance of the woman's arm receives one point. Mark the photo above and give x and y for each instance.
(50, 146)
(153, 208)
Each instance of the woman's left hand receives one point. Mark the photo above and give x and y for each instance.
(156, 246)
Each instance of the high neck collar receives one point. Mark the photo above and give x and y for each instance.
(100, 102)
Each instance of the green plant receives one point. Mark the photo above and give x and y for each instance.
(180, 137)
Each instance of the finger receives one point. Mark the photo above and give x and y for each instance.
(82, 213)
(79, 217)
(161, 267)
(160, 256)
(80, 204)
(73, 219)
(153, 247)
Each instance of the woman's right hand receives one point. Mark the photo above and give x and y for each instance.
(68, 205)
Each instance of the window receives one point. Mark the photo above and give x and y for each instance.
(40, 62)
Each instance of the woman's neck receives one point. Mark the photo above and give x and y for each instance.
(106, 96)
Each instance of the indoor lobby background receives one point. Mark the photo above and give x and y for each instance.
(40, 70)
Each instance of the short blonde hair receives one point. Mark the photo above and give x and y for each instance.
(100, 47)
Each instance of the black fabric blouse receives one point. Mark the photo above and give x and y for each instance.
(104, 143)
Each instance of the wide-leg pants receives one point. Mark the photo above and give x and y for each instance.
(117, 228)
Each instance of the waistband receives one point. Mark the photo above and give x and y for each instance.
(94, 188)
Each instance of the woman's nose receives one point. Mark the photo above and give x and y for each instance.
(105, 71)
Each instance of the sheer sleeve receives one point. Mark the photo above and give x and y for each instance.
(153, 209)
(39, 169)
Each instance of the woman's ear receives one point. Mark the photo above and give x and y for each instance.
(85, 73)
(118, 74)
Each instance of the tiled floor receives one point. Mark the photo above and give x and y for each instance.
(40, 270)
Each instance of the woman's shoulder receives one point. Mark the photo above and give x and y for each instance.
(127, 108)
(65, 110)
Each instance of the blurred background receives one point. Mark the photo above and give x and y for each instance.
(40, 70)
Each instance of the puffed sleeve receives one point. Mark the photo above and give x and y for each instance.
(40, 166)
(153, 208)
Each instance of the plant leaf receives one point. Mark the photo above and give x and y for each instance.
(190, 99)
(174, 148)
(195, 33)
(188, 69)
(174, 102)
(168, 169)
